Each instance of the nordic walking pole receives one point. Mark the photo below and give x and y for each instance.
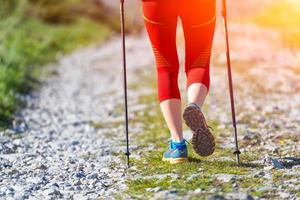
(127, 153)
(224, 14)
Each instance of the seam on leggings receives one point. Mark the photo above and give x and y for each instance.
(202, 59)
(153, 22)
(161, 61)
(213, 19)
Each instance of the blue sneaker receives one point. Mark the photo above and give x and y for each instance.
(177, 152)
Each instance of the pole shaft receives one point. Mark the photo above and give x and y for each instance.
(125, 77)
(224, 13)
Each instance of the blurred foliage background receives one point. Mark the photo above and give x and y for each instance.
(284, 16)
(34, 32)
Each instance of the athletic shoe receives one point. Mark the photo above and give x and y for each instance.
(203, 141)
(177, 153)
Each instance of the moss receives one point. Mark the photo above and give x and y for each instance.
(258, 193)
(250, 156)
(251, 182)
(139, 186)
(279, 177)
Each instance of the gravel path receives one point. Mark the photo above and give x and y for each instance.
(267, 87)
(65, 143)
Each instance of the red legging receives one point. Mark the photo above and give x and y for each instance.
(198, 20)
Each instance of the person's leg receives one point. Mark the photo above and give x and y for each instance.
(196, 93)
(172, 113)
(198, 19)
(161, 22)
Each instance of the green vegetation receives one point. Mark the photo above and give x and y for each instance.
(198, 173)
(150, 175)
(153, 174)
(33, 32)
(284, 16)
(181, 184)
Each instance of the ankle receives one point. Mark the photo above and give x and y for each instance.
(178, 140)
(196, 104)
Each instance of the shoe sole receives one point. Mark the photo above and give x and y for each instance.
(203, 141)
(175, 160)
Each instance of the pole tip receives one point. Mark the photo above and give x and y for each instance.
(237, 153)
(127, 154)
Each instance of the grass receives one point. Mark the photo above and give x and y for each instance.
(204, 170)
(33, 33)
(284, 16)
(154, 172)
(181, 184)
(198, 173)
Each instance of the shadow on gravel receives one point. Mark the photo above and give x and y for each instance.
(289, 162)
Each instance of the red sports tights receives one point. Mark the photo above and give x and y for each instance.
(198, 21)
